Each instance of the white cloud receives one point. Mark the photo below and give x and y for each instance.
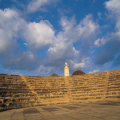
(35, 35)
(100, 42)
(63, 47)
(61, 51)
(94, 71)
(20, 61)
(75, 32)
(78, 65)
(14, 72)
(25, 44)
(35, 5)
(113, 6)
(39, 35)
(43, 70)
(109, 50)
(9, 25)
(87, 26)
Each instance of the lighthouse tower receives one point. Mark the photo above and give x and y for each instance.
(66, 70)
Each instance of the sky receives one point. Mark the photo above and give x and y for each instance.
(37, 37)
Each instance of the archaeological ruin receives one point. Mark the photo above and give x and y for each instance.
(24, 91)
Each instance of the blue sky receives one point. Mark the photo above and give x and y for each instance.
(37, 37)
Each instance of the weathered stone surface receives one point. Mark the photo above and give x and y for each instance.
(23, 91)
(75, 111)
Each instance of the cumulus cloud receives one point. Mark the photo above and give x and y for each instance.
(99, 42)
(35, 5)
(108, 52)
(9, 25)
(60, 51)
(43, 70)
(75, 32)
(11, 28)
(111, 43)
(75, 65)
(94, 71)
(72, 32)
(39, 35)
(16, 73)
(36, 36)
(63, 49)
(102, 41)
(20, 61)
(113, 6)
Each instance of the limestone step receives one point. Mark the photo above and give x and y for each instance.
(113, 93)
(113, 96)
(19, 104)
(111, 88)
(88, 98)
(82, 92)
(66, 85)
(15, 90)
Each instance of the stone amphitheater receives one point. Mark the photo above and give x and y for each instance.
(30, 91)
(23, 91)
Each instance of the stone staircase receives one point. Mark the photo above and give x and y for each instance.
(50, 90)
(113, 89)
(88, 88)
(15, 93)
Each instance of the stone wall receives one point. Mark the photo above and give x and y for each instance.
(23, 91)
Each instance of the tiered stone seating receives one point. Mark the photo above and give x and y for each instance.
(113, 89)
(49, 89)
(14, 93)
(88, 88)
(22, 91)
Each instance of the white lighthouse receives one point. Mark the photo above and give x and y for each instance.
(66, 70)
